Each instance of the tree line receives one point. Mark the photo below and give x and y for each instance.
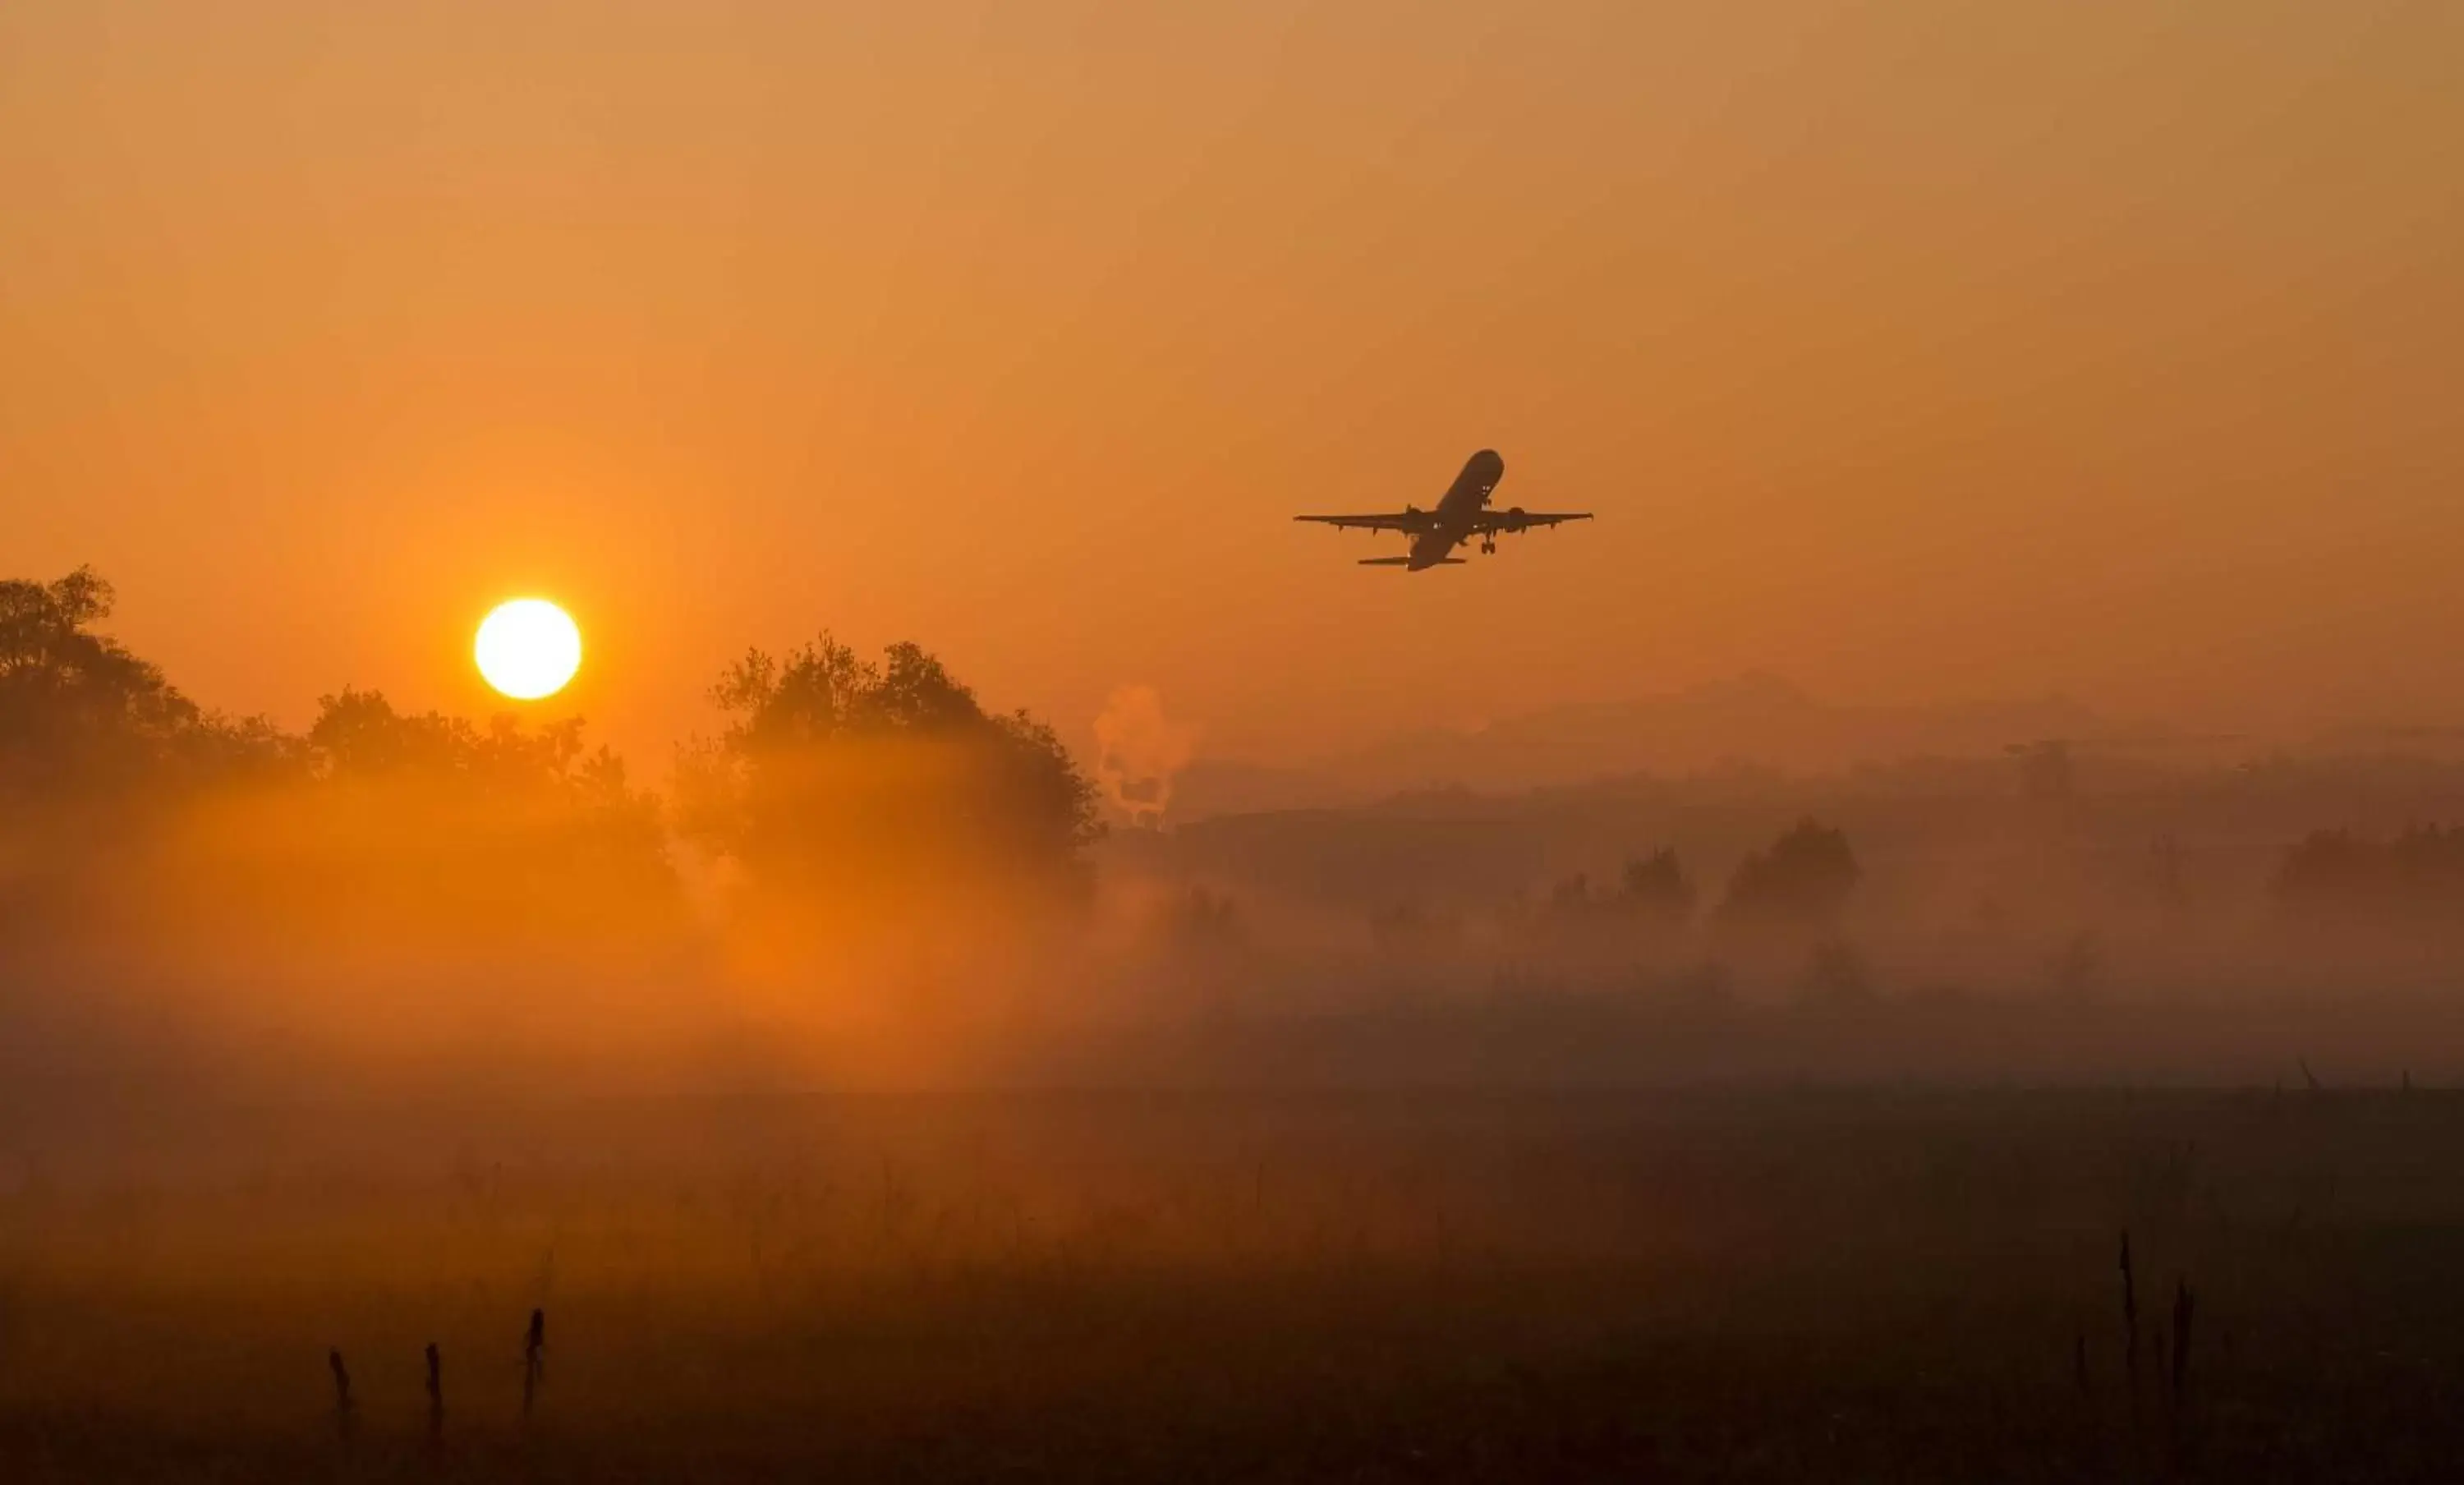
(880, 782)
(1803, 879)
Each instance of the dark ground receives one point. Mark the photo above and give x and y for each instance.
(1783, 1285)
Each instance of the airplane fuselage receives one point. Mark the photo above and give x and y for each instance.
(1461, 514)
(1464, 502)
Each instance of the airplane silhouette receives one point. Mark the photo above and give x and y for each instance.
(1462, 514)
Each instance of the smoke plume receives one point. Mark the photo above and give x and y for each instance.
(1140, 750)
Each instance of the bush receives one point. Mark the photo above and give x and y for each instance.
(1802, 881)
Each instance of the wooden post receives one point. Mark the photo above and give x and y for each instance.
(342, 1393)
(2184, 1307)
(534, 1362)
(2129, 1327)
(435, 1396)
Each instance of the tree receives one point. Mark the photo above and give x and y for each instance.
(357, 736)
(359, 740)
(430, 822)
(2335, 879)
(1801, 880)
(124, 807)
(849, 783)
(1655, 890)
(1205, 922)
(82, 717)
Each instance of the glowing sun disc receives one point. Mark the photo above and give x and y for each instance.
(528, 648)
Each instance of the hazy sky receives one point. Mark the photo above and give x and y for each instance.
(1907, 349)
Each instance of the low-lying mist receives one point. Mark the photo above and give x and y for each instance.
(865, 880)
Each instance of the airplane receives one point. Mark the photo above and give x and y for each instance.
(1461, 515)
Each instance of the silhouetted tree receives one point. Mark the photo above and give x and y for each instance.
(125, 806)
(97, 750)
(73, 702)
(358, 737)
(1802, 880)
(2335, 878)
(840, 780)
(1655, 890)
(82, 717)
(1205, 922)
(508, 822)
(1408, 927)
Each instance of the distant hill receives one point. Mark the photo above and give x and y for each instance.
(1212, 787)
(1955, 833)
(1757, 720)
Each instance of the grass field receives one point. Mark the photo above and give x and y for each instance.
(1876, 1285)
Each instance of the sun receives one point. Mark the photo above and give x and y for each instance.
(528, 648)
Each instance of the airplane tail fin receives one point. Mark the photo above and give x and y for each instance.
(1405, 562)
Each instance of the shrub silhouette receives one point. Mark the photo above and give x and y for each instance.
(433, 821)
(1205, 922)
(1801, 880)
(1655, 890)
(1651, 892)
(2338, 879)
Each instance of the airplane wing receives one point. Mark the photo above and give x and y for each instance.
(1495, 523)
(1414, 521)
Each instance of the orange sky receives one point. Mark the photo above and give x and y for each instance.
(1915, 350)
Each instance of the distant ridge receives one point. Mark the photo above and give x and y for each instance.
(1756, 719)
